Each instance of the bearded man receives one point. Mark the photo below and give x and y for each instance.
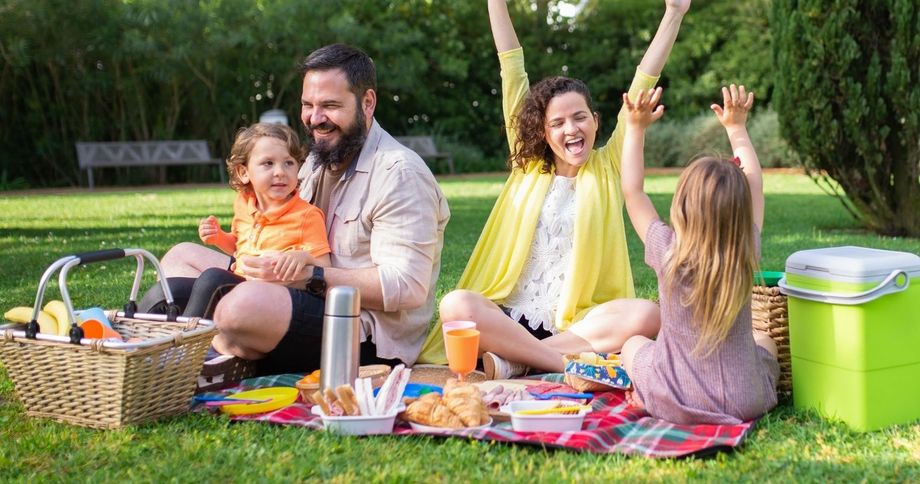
(385, 218)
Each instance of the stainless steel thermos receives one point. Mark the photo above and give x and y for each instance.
(341, 330)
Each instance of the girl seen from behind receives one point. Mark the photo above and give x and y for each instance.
(706, 365)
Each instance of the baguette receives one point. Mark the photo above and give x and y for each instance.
(321, 401)
(347, 400)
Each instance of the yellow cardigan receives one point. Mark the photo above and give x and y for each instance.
(600, 269)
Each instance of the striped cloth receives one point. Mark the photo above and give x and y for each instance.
(611, 427)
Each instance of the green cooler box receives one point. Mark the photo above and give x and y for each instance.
(854, 334)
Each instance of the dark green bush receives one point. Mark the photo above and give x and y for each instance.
(849, 104)
(110, 70)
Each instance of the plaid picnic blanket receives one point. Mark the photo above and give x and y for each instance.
(611, 427)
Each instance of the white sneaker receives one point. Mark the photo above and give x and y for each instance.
(498, 368)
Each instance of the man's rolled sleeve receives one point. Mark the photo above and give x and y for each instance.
(404, 240)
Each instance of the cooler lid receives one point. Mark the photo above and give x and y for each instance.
(852, 262)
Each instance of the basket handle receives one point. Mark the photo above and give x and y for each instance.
(64, 264)
(99, 256)
(897, 281)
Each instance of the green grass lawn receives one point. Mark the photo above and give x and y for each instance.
(786, 445)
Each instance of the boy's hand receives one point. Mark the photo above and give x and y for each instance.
(208, 229)
(737, 102)
(646, 110)
(289, 266)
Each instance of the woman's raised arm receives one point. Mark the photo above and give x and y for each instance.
(502, 28)
(658, 50)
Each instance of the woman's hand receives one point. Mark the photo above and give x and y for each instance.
(736, 103)
(645, 111)
(678, 6)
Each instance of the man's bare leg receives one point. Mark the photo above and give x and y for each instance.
(252, 319)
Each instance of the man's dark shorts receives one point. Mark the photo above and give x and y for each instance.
(300, 349)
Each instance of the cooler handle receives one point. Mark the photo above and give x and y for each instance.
(889, 285)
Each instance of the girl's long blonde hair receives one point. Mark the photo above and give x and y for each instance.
(714, 254)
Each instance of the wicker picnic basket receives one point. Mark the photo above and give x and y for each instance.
(770, 316)
(103, 383)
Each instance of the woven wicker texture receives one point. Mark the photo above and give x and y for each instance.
(99, 387)
(438, 374)
(770, 315)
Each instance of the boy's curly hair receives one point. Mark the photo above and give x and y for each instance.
(530, 122)
(245, 141)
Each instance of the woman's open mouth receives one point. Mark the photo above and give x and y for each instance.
(575, 146)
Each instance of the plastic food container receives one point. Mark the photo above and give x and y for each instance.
(556, 422)
(854, 334)
(359, 424)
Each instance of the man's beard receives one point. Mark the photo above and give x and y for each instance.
(349, 144)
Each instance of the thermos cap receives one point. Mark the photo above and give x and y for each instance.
(343, 301)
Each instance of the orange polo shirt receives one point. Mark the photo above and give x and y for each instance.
(296, 225)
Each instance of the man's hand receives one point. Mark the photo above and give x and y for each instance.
(291, 266)
(261, 268)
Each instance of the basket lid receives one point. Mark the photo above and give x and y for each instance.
(858, 263)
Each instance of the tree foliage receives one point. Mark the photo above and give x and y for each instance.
(846, 92)
(111, 70)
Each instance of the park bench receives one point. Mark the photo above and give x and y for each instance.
(424, 146)
(144, 153)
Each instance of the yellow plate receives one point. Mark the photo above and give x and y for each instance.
(278, 397)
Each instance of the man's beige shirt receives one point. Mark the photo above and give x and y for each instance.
(388, 211)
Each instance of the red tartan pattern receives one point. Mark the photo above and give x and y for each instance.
(612, 427)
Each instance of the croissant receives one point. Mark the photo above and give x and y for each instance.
(466, 402)
(431, 410)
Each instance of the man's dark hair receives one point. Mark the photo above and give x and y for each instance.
(358, 67)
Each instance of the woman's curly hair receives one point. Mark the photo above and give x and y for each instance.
(530, 121)
(246, 139)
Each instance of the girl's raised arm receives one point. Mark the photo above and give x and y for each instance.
(502, 28)
(733, 114)
(639, 116)
(658, 50)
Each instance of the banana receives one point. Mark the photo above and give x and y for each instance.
(58, 309)
(23, 314)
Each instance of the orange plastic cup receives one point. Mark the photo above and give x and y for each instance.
(452, 325)
(95, 329)
(462, 350)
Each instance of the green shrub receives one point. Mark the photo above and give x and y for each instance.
(673, 143)
(846, 91)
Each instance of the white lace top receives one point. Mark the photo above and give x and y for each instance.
(536, 294)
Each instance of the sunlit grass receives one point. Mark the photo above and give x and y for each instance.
(787, 445)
